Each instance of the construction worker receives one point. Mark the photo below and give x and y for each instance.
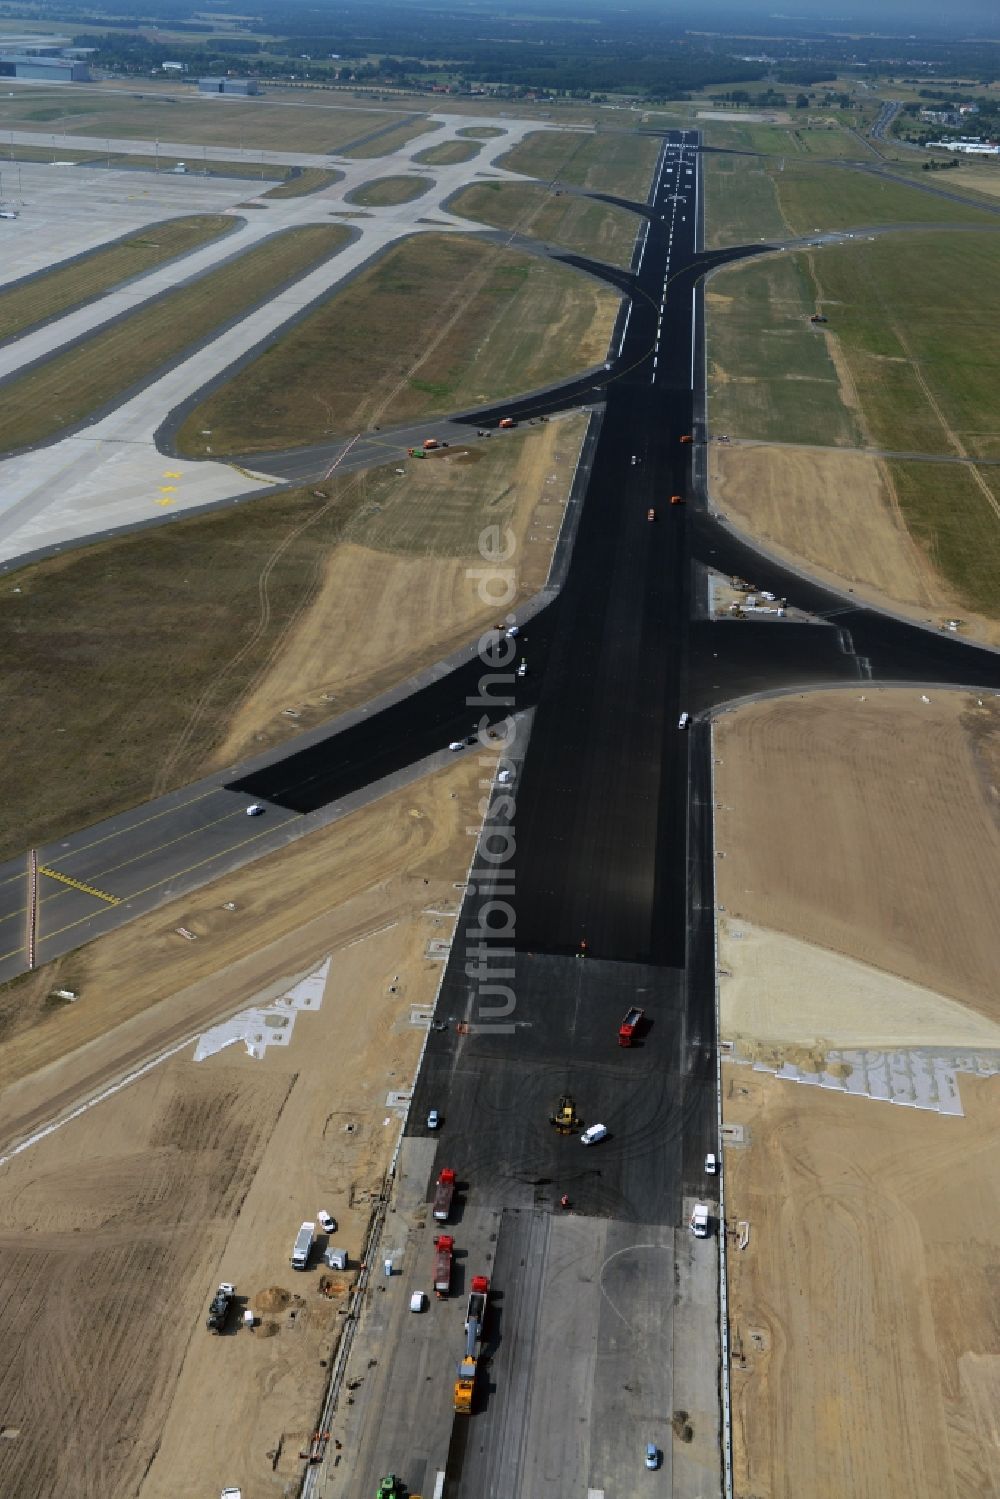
(564, 1201)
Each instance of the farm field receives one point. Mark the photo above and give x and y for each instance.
(866, 1281)
(72, 385)
(201, 1172)
(360, 588)
(600, 230)
(621, 164)
(55, 292)
(393, 346)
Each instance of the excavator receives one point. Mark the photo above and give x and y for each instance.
(565, 1119)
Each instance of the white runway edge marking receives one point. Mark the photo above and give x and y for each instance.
(628, 314)
(125, 1082)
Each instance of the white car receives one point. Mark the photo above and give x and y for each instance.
(522, 670)
(684, 720)
(513, 631)
(456, 744)
(711, 1163)
(504, 777)
(595, 1133)
(327, 1223)
(433, 1119)
(418, 1302)
(255, 810)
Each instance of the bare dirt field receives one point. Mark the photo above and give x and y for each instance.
(117, 1227)
(866, 822)
(412, 582)
(837, 513)
(863, 1311)
(860, 853)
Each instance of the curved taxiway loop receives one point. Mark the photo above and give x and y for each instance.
(109, 473)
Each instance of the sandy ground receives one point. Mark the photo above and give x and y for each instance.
(836, 512)
(863, 1311)
(859, 853)
(415, 609)
(117, 1227)
(779, 990)
(866, 823)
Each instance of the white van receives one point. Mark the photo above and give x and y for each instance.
(595, 1133)
(684, 720)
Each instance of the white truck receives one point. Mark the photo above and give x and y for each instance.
(699, 1220)
(303, 1246)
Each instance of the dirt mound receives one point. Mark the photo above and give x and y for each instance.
(274, 1299)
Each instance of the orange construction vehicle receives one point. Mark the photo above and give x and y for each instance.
(430, 443)
(686, 437)
(676, 499)
(507, 421)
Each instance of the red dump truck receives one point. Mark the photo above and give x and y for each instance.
(443, 1246)
(475, 1312)
(629, 1027)
(444, 1191)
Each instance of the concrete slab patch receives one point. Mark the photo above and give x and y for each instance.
(918, 1078)
(266, 1025)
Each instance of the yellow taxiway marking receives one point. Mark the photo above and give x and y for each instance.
(134, 894)
(168, 488)
(171, 473)
(120, 832)
(166, 500)
(67, 879)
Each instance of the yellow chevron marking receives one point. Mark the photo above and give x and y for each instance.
(67, 879)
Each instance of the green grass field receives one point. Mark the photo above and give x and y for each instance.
(448, 153)
(622, 164)
(69, 387)
(480, 132)
(439, 323)
(393, 140)
(765, 197)
(308, 180)
(916, 316)
(384, 192)
(587, 228)
(816, 197)
(185, 598)
(950, 517)
(770, 375)
(59, 290)
(183, 115)
(741, 204)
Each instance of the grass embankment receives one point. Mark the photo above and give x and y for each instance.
(231, 617)
(448, 153)
(911, 326)
(189, 117)
(385, 192)
(74, 384)
(303, 180)
(585, 227)
(439, 323)
(621, 164)
(58, 291)
(392, 140)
